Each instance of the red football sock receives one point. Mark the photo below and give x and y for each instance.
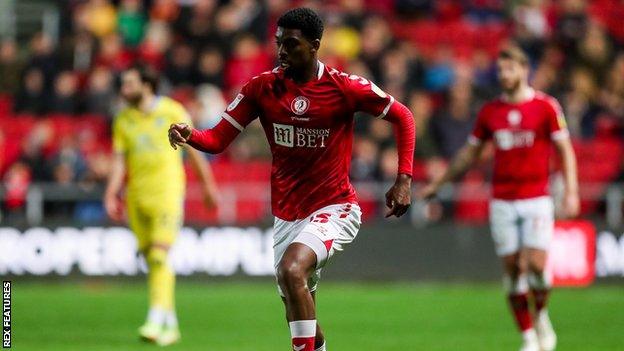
(541, 299)
(520, 307)
(303, 334)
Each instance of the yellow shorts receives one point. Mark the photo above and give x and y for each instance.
(155, 221)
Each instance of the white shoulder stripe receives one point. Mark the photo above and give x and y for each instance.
(385, 110)
(231, 119)
(560, 134)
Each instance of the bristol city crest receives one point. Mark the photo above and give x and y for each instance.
(300, 105)
(514, 117)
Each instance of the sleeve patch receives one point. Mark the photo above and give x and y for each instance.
(235, 102)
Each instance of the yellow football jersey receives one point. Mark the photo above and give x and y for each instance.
(154, 168)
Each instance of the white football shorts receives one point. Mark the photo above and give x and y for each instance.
(325, 231)
(526, 223)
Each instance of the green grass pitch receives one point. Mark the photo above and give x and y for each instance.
(249, 316)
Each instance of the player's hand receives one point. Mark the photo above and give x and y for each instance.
(399, 197)
(114, 207)
(571, 204)
(179, 134)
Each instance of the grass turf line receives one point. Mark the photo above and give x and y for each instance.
(355, 317)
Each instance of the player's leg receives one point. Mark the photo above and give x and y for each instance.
(539, 227)
(295, 267)
(139, 224)
(507, 240)
(302, 248)
(164, 227)
(319, 339)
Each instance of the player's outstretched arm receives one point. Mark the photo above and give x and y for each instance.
(398, 198)
(459, 165)
(212, 141)
(112, 202)
(571, 202)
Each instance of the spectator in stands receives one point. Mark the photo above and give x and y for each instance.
(15, 185)
(165, 10)
(454, 122)
(612, 94)
(595, 51)
(70, 155)
(42, 57)
(77, 51)
(65, 97)
(364, 164)
(131, 22)
(155, 44)
(35, 147)
(180, 69)
(102, 17)
(439, 73)
(531, 26)
(32, 96)
(571, 23)
(388, 163)
(378, 39)
(10, 67)
(100, 93)
(210, 67)
(112, 54)
(197, 24)
(209, 106)
(579, 103)
(248, 60)
(422, 108)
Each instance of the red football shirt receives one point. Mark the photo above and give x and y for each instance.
(522, 134)
(310, 131)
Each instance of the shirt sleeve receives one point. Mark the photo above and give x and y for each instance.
(480, 132)
(119, 143)
(557, 126)
(244, 108)
(367, 97)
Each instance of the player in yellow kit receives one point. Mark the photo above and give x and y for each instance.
(154, 191)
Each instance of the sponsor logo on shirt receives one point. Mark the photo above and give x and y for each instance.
(507, 139)
(291, 136)
(300, 105)
(234, 103)
(514, 118)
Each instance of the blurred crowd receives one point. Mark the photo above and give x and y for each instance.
(437, 56)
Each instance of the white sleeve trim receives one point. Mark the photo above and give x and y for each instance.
(385, 110)
(560, 134)
(232, 121)
(473, 140)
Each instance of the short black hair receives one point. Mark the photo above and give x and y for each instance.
(147, 74)
(306, 20)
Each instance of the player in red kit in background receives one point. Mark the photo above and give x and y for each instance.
(523, 124)
(306, 110)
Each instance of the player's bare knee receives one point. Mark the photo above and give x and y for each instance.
(291, 274)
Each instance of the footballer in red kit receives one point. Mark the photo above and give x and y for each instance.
(307, 112)
(522, 124)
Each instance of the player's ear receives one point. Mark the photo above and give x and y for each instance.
(316, 44)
